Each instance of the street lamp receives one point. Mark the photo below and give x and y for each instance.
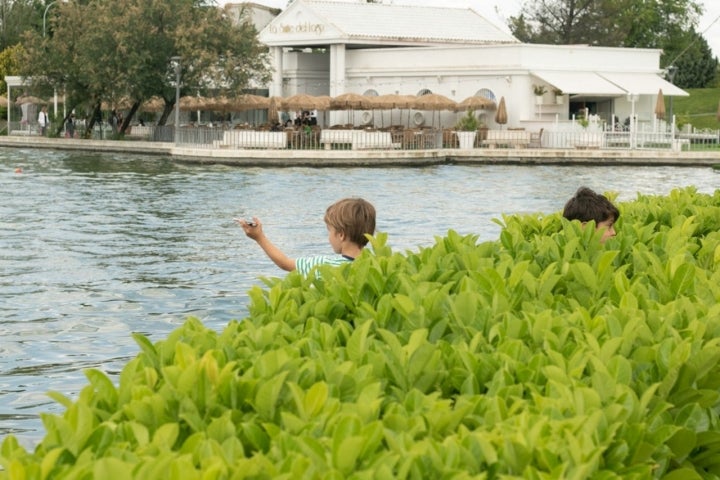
(176, 62)
(44, 24)
(46, 12)
(671, 71)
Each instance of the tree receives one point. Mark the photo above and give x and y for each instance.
(614, 23)
(696, 65)
(9, 63)
(668, 25)
(17, 16)
(107, 50)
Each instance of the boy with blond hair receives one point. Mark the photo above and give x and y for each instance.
(348, 222)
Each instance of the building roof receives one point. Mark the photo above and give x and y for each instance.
(376, 24)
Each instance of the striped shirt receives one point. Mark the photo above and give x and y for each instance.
(305, 264)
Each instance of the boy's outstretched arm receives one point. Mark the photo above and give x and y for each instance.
(276, 255)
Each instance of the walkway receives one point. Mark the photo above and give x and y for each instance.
(370, 158)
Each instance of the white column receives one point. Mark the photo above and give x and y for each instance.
(337, 79)
(276, 85)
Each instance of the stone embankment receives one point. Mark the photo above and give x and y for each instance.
(351, 158)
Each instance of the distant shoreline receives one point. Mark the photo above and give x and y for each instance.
(371, 158)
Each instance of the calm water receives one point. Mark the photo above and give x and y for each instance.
(94, 247)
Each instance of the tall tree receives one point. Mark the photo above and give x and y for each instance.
(16, 17)
(694, 60)
(108, 50)
(668, 25)
(614, 23)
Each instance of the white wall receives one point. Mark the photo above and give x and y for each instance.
(460, 72)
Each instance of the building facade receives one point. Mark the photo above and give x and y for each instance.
(324, 47)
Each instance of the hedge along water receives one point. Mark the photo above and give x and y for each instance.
(95, 247)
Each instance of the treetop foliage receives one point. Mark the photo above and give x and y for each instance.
(106, 50)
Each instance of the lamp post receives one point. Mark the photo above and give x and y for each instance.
(671, 71)
(176, 62)
(46, 12)
(44, 32)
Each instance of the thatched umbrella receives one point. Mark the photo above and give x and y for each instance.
(153, 104)
(501, 117)
(192, 102)
(249, 101)
(352, 101)
(273, 110)
(29, 99)
(393, 100)
(475, 103)
(220, 104)
(303, 101)
(4, 101)
(434, 102)
(660, 106)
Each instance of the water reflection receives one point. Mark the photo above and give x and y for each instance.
(95, 247)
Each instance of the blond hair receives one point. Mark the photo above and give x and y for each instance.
(353, 217)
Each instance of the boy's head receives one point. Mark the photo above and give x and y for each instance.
(587, 205)
(353, 217)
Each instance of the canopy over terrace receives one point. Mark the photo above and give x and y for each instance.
(608, 84)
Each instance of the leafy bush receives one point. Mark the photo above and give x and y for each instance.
(468, 122)
(544, 354)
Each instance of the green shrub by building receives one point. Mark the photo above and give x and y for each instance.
(543, 354)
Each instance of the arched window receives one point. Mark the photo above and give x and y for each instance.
(486, 93)
(371, 93)
(424, 91)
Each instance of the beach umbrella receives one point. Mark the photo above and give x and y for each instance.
(248, 101)
(475, 103)
(3, 101)
(501, 117)
(351, 101)
(153, 104)
(219, 104)
(392, 101)
(660, 106)
(434, 102)
(29, 99)
(304, 101)
(273, 107)
(191, 102)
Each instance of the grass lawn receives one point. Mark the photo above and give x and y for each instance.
(699, 109)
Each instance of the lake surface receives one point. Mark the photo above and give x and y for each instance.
(94, 247)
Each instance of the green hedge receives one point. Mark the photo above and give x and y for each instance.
(541, 355)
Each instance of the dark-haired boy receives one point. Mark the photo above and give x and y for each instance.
(586, 205)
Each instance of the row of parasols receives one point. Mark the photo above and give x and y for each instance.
(346, 101)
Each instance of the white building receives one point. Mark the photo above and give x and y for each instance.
(325, 47)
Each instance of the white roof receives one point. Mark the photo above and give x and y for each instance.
(381, 24)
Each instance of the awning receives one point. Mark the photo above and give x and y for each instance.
(643, 84)
(581, 83)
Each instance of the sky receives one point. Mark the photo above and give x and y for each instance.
(498, 12)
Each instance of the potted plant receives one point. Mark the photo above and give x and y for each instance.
(466, 129)
(559, 98)
(539, 91)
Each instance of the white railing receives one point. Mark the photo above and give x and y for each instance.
(565, 136)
